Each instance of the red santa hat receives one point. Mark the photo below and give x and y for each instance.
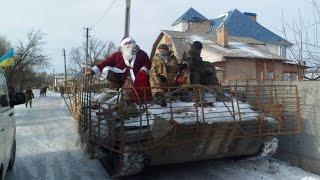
(127, 40)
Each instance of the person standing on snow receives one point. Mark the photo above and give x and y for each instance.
(127, 68)
(29, 95)
(163, 73)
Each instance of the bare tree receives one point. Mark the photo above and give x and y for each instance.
(41, 79)
(29, 56)
(304, 35)
(98, 50)
(5, 45)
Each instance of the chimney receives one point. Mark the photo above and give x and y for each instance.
(252, 16)
(222, 36)
(198, 26)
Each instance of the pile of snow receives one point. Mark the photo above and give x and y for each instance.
(132, 161)
(264, 168)
(104, 96)
(270, 148)
(187, 112)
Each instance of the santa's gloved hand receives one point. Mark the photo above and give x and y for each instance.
(162, 78)
(89, 73)
(144, 69)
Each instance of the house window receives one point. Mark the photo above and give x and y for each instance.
(260, 75)
(270, 76)
(290, 77)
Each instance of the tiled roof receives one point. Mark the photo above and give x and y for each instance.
(238, 46)
(190, 15)
(241, 25)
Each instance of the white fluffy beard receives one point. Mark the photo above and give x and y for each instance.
(128, 53)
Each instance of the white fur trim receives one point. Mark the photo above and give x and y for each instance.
(97, 72)
(145, 69)
(133, 77)
(113, 69)
(126, 62)
(133, 60)
(126, 40)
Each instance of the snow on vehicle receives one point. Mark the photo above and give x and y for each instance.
(199, 123)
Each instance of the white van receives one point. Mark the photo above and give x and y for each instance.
(7, 126)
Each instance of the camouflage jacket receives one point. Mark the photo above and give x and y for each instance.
(167, 68)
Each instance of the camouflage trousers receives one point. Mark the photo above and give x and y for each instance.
(126, 91)
(128, 107)
(155, 84)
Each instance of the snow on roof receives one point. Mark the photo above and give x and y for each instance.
(238, 47)
(196, 38)
(222, 15)
(219, 69)
(244, 47)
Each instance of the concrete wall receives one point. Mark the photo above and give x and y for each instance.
(303, 150)
(182, 27)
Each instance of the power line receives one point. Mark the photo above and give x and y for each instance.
(104, 14)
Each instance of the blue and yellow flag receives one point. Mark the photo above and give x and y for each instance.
(7, 59)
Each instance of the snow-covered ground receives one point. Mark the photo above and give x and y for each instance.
(47, 149)
(47, 144)
(250, 169)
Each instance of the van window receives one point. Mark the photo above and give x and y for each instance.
(4, 93)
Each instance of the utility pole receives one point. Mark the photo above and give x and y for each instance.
(127, 20)
(65, 65)
(87, 49)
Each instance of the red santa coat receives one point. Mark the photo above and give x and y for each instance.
(138, 70)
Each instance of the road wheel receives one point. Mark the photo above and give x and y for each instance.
(13, 156)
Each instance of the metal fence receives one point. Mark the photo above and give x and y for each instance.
(193, 112)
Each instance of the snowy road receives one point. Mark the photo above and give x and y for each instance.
(47, 149)
(254, 169)
(47, 144)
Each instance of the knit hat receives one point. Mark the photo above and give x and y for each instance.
(126, 40)
(163, 47)
(197, 45)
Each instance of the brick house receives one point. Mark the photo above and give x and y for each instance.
(240, 48)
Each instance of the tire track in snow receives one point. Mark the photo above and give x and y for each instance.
(46, 144)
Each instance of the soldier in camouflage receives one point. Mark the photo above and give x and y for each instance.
(201, 72)
(163, 73)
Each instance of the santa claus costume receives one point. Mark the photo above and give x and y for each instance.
(130, 66)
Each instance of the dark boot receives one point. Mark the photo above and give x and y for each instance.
(131, 111)
(160, 99)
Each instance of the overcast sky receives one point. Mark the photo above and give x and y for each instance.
(63, 20)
